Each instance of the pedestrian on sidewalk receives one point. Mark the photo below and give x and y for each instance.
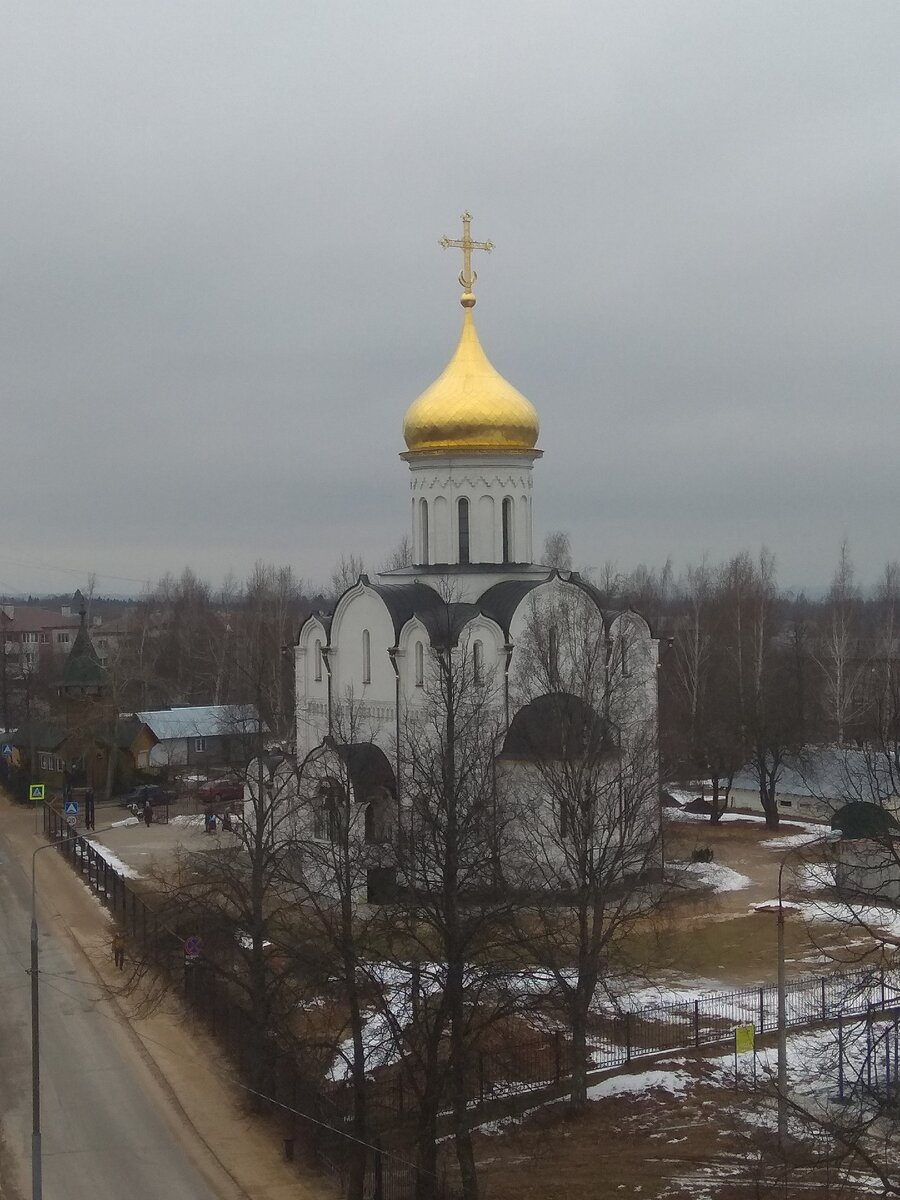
(118, 945)
(148, 813)
(89, 808)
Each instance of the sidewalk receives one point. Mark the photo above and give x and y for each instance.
(241, 1155)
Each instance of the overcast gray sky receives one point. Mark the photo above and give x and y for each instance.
(221, 283)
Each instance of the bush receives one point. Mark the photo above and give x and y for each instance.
(702, 854)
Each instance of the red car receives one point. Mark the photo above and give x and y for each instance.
(221, 791)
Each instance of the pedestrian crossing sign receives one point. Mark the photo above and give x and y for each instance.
(6, 750)
(36, 791)
(71, 808)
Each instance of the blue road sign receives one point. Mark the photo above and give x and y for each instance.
(71, 808)
(6, 751)
(192, 946)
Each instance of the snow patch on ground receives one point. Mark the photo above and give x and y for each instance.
(113, 860)
(676, 1082)
(718, 877)
(127, 821)
(790, 842)
(198, 821)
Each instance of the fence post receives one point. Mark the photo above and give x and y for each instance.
(762, 1009)
(557, 1050)
(480, 1077)
(824, 1006)
(696, 1022)
(628, 1036)
(882, 987)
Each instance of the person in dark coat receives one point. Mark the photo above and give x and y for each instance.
(148, 813)
(89, 808)
(118, 945)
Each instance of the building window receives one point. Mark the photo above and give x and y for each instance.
(553, 655)
(624, 657)
(420, 665)
(423, 530)
(318, 661)
(199, 745)
(508, 547)
(463, 512)
(478, 662)
(367, 657)
(62, 639)
(30, 637)
(45, 638)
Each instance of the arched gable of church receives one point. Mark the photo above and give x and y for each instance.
(362, 633)
(560, 642)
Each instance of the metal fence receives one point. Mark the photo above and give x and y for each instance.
(510, 1067)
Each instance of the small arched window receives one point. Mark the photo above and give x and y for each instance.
(367, 657)
(420, 665)
(318, 661)
(462, 509)
(553, 654)
(423, 530)
(624, 655)
(478, 662)
(508, 547)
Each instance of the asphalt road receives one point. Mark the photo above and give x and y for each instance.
(104, 1135)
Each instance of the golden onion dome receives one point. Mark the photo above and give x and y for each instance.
(471, 408)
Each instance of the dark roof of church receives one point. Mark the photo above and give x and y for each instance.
(82, 666)
(368, 767)
(558, 727)
(501, 601)
(406, 600)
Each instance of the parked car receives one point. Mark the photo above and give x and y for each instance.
(221, 791)
(136, 798)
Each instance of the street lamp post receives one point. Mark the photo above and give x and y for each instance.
(830, 838)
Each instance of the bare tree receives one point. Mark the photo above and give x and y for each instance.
(586, 773)
(448, 875)
(558, 550)
(837, 652)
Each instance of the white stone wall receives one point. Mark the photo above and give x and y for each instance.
(485, 481)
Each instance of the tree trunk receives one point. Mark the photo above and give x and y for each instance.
(578, 1091)
(716, 814)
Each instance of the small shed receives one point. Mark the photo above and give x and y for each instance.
(867, 856)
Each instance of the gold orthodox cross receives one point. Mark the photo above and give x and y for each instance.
(467, 276)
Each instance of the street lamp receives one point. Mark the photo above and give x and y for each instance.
(829, 839)
(36, 1180)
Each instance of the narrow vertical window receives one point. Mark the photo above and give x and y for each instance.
(420, 665)
(552, 655)
(423, 529)
(462, 509)
(367, 657)
(478, 662)
(508, 547)
(318, 662)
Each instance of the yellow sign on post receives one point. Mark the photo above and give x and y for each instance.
(744, 1039)
(36, 791)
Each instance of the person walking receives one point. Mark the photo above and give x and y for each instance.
(89, 808)
(118, 945)
(148, 813)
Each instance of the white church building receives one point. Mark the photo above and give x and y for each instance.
(363, 670)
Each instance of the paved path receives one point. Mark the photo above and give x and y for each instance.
(104, 1132)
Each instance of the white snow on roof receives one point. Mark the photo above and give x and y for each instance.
(207, 720)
